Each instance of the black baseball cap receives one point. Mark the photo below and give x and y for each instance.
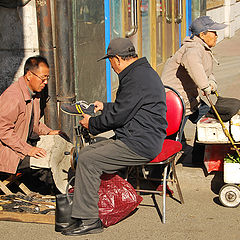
(119, 46)
(205, 23)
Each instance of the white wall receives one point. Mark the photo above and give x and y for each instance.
(18, 40)
(229, 14)
(30, 34)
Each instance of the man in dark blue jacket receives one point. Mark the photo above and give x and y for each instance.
(138, 118)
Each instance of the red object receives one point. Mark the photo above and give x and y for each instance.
(174, 112)
(71, 190)
(214, 156)
(117, 199)
(174, 118)
(169, 148)
(160, 188)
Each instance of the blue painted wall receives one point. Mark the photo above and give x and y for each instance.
(107, 41)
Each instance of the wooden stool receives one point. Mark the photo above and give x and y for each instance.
(13, 179)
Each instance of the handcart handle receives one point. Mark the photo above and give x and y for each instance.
(216, 93)
(222, 124)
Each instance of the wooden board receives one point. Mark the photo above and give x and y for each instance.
(27, 217)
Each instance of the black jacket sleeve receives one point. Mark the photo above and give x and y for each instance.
(116, 114)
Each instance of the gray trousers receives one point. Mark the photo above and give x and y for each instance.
(107, 156)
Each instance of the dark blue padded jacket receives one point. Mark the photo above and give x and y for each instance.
(138, 115)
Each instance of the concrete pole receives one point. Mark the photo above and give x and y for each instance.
(45, 40)
(65, 60)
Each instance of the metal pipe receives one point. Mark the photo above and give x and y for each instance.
(173, 27)
(65, 61)
(179, 14)
(168, 15)
(45, 40)
(114, 17)
(134, 25)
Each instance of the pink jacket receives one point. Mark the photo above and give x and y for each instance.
(15, 114)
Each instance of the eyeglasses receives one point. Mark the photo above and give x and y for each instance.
(46, 78)
(214, 32)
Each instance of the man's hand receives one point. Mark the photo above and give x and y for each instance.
(213, 85)
(64, 136)
(61, 134)
(54, 132)
(207, 90)
(85, 121)
(98, 106)
(37, 152)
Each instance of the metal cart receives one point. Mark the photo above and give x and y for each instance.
(229, 194)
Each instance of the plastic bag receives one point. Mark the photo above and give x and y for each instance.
(214, 155)
(117, 199)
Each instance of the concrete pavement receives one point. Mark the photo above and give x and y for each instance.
(200, 218)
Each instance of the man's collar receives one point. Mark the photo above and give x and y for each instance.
(125, 71)
(198, 39)
(32, 94)
(24, 89)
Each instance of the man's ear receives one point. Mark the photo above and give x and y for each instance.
(28, 75)
(118, 59)
(202, 35)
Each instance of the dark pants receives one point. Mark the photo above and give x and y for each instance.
(25, 162)
(40, 179)
(107, 156)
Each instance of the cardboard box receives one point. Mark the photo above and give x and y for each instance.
(235, 127)
(231, 172)
(210, 130)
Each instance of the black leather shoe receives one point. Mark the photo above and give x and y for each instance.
(72, 223)
(83, 229)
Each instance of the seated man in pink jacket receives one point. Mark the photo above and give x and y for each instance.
(19, 117)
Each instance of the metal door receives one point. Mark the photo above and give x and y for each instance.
(156, 28)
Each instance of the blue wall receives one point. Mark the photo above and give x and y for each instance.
(188, 16)
(107, 41)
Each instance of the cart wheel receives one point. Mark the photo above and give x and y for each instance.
(229, 195)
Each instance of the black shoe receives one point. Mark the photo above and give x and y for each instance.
(78, 108)
(82, 229)
(73, 223)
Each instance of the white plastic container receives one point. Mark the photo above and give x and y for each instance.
(235, 127)
(231, 173)
(210, 130)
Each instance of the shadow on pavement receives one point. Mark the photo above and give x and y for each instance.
(217, 182)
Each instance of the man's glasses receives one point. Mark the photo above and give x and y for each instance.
(42, 78)
(214, 32)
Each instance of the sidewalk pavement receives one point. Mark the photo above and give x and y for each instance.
(201, 217)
